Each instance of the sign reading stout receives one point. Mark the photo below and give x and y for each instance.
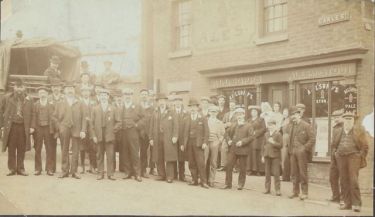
(334, 18)
(350, 99)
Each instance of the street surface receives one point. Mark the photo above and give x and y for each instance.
(45, 195)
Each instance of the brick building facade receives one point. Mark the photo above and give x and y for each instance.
(317, 52)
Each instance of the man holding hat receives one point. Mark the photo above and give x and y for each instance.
(42, 123)
(71, 124)
(105, 121)
(302, 139)
(239, 138)
(163, 137)
(195, 142)
(130, 116)
(52, 72)
(259, 126)
(351, 152)
(87, 145)
(181, 115)
(216, 136)
(15, 122)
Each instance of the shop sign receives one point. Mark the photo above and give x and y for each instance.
(243, 93)
(235, 81)
(323, 71)
(321, 90)
(350, 102)
(334, 18)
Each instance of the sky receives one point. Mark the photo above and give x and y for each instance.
(94, 26)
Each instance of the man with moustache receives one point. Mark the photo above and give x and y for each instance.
(42, 123)
(15, 123)
(163, 137)
(71, 124)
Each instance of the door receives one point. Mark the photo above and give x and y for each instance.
(278, 93)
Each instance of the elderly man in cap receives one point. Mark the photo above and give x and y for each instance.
(131, 116)
(118, 104)
(53, 72)
(239, 138)
(181, 115)
(163, 137)
(195, 142)
(333, 169)
(105, 121)
(351, 152)
(259, 126)
(71, 124)
(216, 136)
(302, 139)
(15, 122)
(87, 145)
(228, 119)
(302, 108)
(144, 127)
(43, 124)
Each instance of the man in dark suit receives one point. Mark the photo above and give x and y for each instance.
(302, 139)
(259, 126)
(15, 122)
(87, 145)
(239, 137)
(130, 116)
(351, 152)
(54, 99)
(105, 121)
(181, 114)
(144, 127)
(117, 104)
(163, 137)
(195, 142)
(71, 124)
(41, 122)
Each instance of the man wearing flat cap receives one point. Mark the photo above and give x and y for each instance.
(130, 116)
(42, 123)
(163, 137)
(53, 72)
(351, 152)
(195, 142)
(302, 108)
(239, 138)
(301, 141)
(87, 146)
(105, 121)
(71, 124)
(181, 115)
(15, 122)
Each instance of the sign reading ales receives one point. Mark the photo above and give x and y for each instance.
(350, 99)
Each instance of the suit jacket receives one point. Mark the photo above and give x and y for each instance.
(54, 102)
(181, 119)
(202, 131)
(244, 133)
(260, 129)
(168, 122)
(273, 150)
(134, 115)
(112, 123)
(87, 112)
(144, 123)
(359, 137)
(305, 137)
(74, 121)
(222, 113)
(36, 113)
(6, 114)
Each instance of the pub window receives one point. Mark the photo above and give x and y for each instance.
(321, 100)
(275, 16)
(182, 24)
(243, 96)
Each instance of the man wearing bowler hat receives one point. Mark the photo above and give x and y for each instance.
(163, 137)
(52, 72)
(42, 123)
(105, 121)
(302, 140)
(130, 116)
(351, 153)
(195, 142)
(71, 124)
(15, 122)
(181, 115)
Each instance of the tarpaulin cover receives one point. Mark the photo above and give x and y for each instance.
(54, 47)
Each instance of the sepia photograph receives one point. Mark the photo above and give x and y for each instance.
(187, 107)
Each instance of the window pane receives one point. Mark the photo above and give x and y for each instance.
(337, 96)
(278, 24)
(321, 118)
(285, 10)
(306, 98)
(278, 10)
(270, 12)
(321, 99)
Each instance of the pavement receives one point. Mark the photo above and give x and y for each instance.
(45, 195)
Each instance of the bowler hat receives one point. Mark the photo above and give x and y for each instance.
(55, 59)
(294, 109)
(161, 96)
(193, 101)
